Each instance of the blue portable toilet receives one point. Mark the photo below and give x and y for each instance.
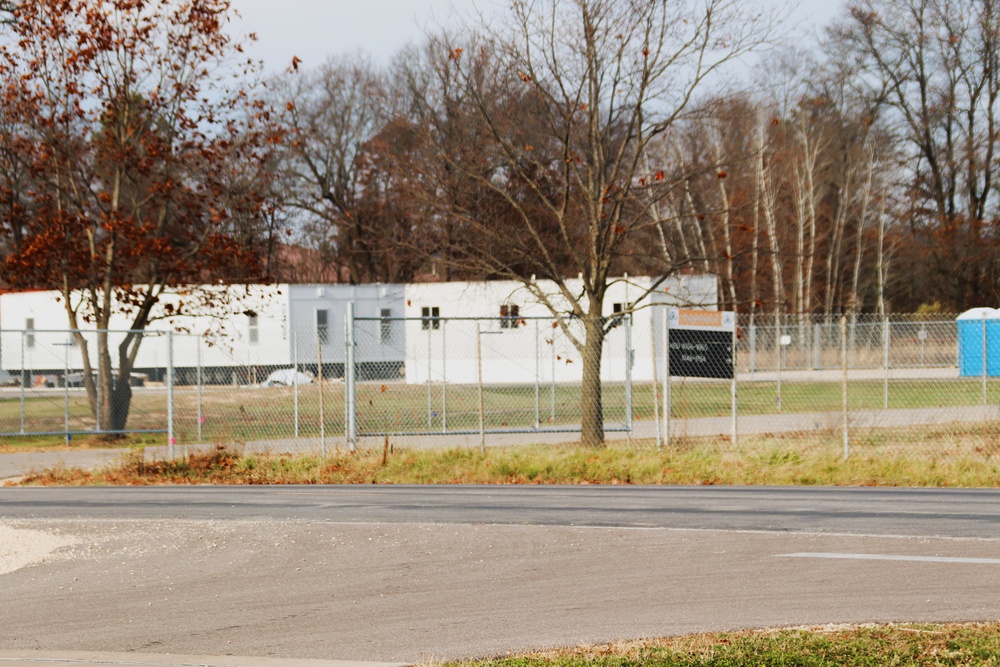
(971, 326)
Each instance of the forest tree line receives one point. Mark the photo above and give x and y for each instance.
(854, 175)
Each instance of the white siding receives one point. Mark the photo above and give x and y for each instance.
(534, 350)
(513, 351)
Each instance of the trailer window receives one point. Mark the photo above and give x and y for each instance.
(385, 326)
(323, 325)
(509, 314)
(431, 316)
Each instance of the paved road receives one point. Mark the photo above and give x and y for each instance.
(866, 511)
(408, 574)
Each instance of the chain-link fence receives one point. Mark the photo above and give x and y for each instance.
(485, 376)
(791, 342)
(43, 380)
(903, 381)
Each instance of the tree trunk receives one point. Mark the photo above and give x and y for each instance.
(119, 388)
(120, 404)
(880, 265)
(866, 197)
(591, 400)
(800, 242)
(105, 380)
(755, 240)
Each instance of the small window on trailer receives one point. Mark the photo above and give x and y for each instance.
(323, 325)
(619, 310)
(509, 314)
(385, 326)
(431, 317)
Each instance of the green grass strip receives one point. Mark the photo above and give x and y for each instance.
(883, 646)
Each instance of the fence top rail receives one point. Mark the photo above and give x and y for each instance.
(484, 318)
(860, 318)
(143, 332)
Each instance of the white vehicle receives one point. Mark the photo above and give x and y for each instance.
(286, 377)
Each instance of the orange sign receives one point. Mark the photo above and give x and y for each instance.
(699, 318)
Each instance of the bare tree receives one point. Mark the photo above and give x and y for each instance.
(768, 199)
(603, 79)
(938, 62)
(333, 112)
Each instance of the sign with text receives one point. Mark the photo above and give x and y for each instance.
(701, 343)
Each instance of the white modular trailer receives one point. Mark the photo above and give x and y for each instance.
(318, 317)
(236, 329)
(240, 339)
(519, 339)
(257, 329)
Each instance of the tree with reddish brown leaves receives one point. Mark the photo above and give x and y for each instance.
(130, 165)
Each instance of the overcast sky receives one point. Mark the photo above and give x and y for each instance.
(316, 29)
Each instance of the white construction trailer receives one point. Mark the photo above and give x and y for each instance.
(412, 333)
(519, 338)
(245, 336)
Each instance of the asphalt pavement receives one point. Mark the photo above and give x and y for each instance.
(414, 574)
(102, 659)
(947, 513)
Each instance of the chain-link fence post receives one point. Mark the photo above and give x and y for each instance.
(922, 336)
(885, 362)
(319, 373)
(479, 377)
(538, 380)
(24, 378)
(817, 346)
(198, 387)
(350, 381)
(656, 380)
(628, 374)
(778, 348)
(430, 374)
(552, 416)
(843, 362)
(97, 404)
(65, 378)
(444, 376)
(295, 380)
(666, 377)
(734, 387)
(170, 395)
(985, 352)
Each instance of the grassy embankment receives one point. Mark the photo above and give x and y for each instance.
(925, 457)
(918, 645)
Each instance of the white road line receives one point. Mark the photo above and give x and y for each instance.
(912, 559)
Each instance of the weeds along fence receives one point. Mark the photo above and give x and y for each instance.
(843, 383)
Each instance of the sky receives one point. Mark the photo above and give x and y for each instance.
(313, 30)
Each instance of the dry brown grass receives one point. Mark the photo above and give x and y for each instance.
(958, 462)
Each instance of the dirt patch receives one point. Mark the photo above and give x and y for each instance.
(21, 547)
